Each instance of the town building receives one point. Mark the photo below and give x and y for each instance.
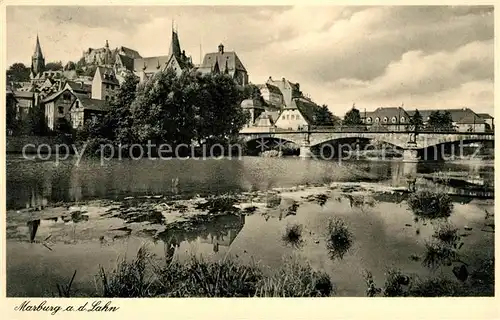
(105, 85)
(79, 87)
(26, 101)
(386, 119)
(84, 108)
(271, 94)
(463, 119)
(297, 115)
(224, 62)
(176, 60)
(288, 89)
(488, 119)
(56, 108)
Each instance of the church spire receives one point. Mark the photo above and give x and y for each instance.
(37, 60)
(38, 49)
(175, 47)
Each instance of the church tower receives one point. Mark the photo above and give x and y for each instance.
(37, 60)
(175, 47)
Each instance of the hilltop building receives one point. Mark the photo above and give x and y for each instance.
(145, 68)
(225, 62)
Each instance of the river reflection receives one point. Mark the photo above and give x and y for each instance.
(35, 184)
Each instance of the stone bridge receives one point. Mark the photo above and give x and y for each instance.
(406, 140)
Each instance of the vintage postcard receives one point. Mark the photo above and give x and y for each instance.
(310, 151)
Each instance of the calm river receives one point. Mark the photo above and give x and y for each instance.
(385, 234)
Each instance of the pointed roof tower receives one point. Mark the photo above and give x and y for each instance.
(175, 47)
(38, 49)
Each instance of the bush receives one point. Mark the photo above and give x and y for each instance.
(339, 238)
(219, 204)
(430, 205)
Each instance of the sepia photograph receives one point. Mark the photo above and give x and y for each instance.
(248, 151)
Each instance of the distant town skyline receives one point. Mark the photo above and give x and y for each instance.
(425, 57)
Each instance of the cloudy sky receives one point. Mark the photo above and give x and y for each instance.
(424, 57)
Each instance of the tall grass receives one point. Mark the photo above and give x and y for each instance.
(293, 279)
(293, 235)
(197, 277)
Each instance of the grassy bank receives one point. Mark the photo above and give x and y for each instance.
(197, 277)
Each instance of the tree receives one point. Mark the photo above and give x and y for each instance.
(324, 117)
(251, 91)
(70, 66)
(440, 121)
(415, 122)
(352, 118)
(54, 66)
(18, 72)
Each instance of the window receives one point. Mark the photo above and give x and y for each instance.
(283, 118)
(288, 117)
(61, 110)
(107, 98)
(77, 104)
(377, 120)
(394, 119)
(369, 120)
(66, 97)
(385, 119)
(403, 119)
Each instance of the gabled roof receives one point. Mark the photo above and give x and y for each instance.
(456, 114)
(55, 95)
(24, 94)
(126, 61)
(229, 59)
(272, 88)
(305, 107)
(79, 86)
(388, 112)
(130, 53)
(471, 118)
(485, 115)
(92, 104)
(106, 71)
(151, 64)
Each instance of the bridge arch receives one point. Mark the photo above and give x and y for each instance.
(266, 143)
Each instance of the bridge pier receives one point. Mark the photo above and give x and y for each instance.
(410, 155)
(305, 149)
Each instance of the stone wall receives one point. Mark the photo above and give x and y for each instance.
(15, 144)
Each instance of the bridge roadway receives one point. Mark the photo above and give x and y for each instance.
(406, 140)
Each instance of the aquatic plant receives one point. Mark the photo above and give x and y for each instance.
(294, 279)
(293, 235)
(292, 209)
(438, 253)
(219, 204)
(339, 238)
(65, 290)
(430, 205)
(447, 234)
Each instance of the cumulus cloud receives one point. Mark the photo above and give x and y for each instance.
(426, 56)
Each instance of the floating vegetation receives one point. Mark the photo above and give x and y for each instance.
(415, 257)
(293, 235)
(430, 205)
(320, 199)
(439, 253)
(292, 209)
(396, 284)
(339, 238)
(219, 204)
(273, 200)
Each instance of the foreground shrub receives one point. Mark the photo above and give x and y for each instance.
(430, 205)
(129, 279)
(293, 279)
(339, 239)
